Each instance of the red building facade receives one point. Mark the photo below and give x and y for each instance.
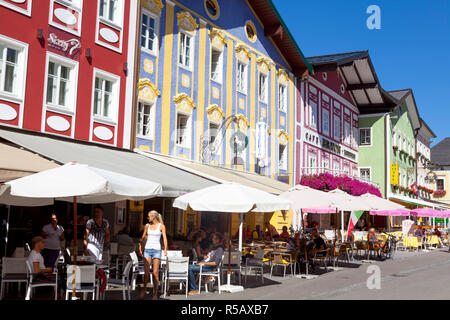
(66, 68)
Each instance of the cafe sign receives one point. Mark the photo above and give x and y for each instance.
(62, 43)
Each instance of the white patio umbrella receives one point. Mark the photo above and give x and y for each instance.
(75, 182)
(232, 198)
(306, 199)
(380, 204)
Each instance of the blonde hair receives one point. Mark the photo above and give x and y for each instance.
(156, 214)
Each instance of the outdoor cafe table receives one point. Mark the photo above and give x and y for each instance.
(412, 241)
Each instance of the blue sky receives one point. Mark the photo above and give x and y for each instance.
(411, 50)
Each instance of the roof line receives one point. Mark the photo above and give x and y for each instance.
(338, 54)
(308, 65)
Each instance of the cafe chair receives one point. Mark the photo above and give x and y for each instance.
(321, 256)
(255, 264)
(14, 270)
(138, 269)
(282, 260)
(32, 283)
(177, 268)
(84, 280)
(235, 264)
(124, 283)
(194, 256)
(213, 273)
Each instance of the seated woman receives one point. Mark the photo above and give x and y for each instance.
(285, 234)
(36, 260)
(439, 235)
(196, 238)
(211, 262)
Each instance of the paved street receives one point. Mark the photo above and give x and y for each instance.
(424, 275)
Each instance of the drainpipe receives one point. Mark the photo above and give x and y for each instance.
(387, 159)
(137, 63)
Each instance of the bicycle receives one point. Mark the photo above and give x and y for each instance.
(390, 246)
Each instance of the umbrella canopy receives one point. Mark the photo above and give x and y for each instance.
(426, 212)
(345, 202)
(392, 213)
(309, 200)
(88, 184)
(232, 197)
(379, 204)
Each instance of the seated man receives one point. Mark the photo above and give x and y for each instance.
(285, 234)
(315, 246)
(256, 234)
(373, 240)
(420, 233)
(211, 262)
(36, 260)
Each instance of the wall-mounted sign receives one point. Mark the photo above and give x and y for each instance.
(349, 154)
(394, 173)
(63, 43)
(333, 147)
(238, 141)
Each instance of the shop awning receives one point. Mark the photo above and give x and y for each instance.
(223, 174)
(17, 163)
(174, 181)
(415, 202)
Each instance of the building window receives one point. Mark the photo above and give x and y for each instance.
(212, 9)
(364, 173)
(312, 161)
(110, 10)
(355, 137)
(337, 127)
(145, 124)
(214, 146)
(439, 184)
(241, 81)
(183, 130)
(106, 95)
(149, 37)
(282, 156)
(185, 50)
(8, 69)
(325, 121)
(365, 137)
(250, 31)
(313, 114)
(347, 133)
(216, 65)
(263, 87)
(325, 164)
(61, 81)
(394, 138)
(282, 98)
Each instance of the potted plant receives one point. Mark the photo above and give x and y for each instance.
(440, 193)
(395, 148)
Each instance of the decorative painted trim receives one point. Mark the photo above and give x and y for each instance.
(186, 21)
(263, 65)
(283, 77)
(215, 113)
(242, 121)
(283, 137)
(217, 15)
(243, 53)
(147, 90)
(252, 26)
(184, 102)
(154, 6)
(218, 39)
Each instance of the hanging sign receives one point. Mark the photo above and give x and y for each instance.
(394, 173)
(62, 43)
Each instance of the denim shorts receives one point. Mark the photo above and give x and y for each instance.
(152, 253)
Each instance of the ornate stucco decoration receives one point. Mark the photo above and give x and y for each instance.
(147, 90)
(184, 103)
(263, 65)
(218, 39)
(283, 77)
(215, 113)
(242, 121)
(242, 53)
(154, 6)
(186, 21)
(283, 137)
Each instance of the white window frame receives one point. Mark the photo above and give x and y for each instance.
(370, 173)
(282, 99)
(370, 135)
(313, 111)
(155, 17)
(11, 6)
(244, 77)
(118, 21)
(263, 96)
(18, 94)
(219, 70)
(77, 5)
(312, 168)
(325, 163)
(218, 151)
(337, 137)
(326, 112)
(73, 85)
(355, 135)
(282, 158)
(347, 132)
(151, 134)
(115, 99)
(187, 144)
(191, 50)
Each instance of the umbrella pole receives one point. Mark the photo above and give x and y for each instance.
(75, 223)
(7, 230)
(241, 230)
(229, 252)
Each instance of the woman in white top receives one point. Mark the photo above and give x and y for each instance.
(152, 251)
